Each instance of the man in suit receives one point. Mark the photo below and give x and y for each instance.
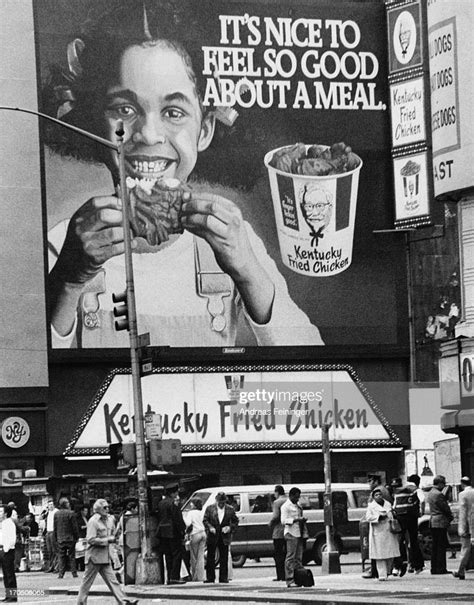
(220, 522)
(466, 509)
(170, 534)
(279, 547)
(100, 538)
(440, 519)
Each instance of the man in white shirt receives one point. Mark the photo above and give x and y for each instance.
(8, 541)
(294, 531)
(51, 547)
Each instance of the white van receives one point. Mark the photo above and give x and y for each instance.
(253, 505)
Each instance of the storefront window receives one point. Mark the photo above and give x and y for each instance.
(436, 293)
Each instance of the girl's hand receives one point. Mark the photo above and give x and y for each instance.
(219, 221)
(94, 235)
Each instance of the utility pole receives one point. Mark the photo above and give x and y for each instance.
(147, 569)
(330, 557)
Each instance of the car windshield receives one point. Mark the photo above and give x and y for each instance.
(202, 496)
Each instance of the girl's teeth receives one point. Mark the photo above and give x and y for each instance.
(149, 167)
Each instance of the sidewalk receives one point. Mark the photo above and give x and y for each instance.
(337, 588)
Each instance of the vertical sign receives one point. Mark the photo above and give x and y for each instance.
(450, 44)
(409, 111)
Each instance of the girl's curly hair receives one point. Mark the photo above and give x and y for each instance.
(78, 93)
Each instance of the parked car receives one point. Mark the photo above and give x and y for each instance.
(451, 491)
(253, 505)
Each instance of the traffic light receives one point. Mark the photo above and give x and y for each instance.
(121, 311)
(123, 455)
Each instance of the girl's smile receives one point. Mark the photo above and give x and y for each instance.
(157, 100)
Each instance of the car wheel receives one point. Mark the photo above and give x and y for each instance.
(426, 543)
(320, 546)
(238, 560)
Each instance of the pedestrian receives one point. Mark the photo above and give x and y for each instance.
(50, 546)
(12, 505)
(375, 481)
(170, 534)
(82, 519)
(383, 544)
(197, 539)
(19, 546)
(465, 522)
(294, 532)
(100, 535)
(220, 522)
(416, 480)
(131, 508)
(7, 544)
(279, 545)
(66, 534)
(440, 519)
(185, 573)
(407, 508)
(31, 526)
(396, 484)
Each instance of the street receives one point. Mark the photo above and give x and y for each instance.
(253, 584)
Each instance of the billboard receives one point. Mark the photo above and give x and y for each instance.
(239, 410)
(257, 153)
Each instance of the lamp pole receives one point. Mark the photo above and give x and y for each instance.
(147, 569)
(330, 557)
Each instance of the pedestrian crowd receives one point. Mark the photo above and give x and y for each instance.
(183, 537)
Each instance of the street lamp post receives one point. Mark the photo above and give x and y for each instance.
(147, 569)
(330, 557)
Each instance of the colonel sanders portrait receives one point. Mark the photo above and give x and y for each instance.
(316, 206)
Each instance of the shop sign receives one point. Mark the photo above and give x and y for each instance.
(11, 477)
(467, 378)
(38, 489)
(450, 67)
(411, 187)
(404, 40)
(15, 432)
(407, 109)
(254, 410)
(409, 113)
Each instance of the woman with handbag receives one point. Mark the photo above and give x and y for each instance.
(383, 538)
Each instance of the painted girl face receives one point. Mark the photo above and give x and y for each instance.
(157, 101)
